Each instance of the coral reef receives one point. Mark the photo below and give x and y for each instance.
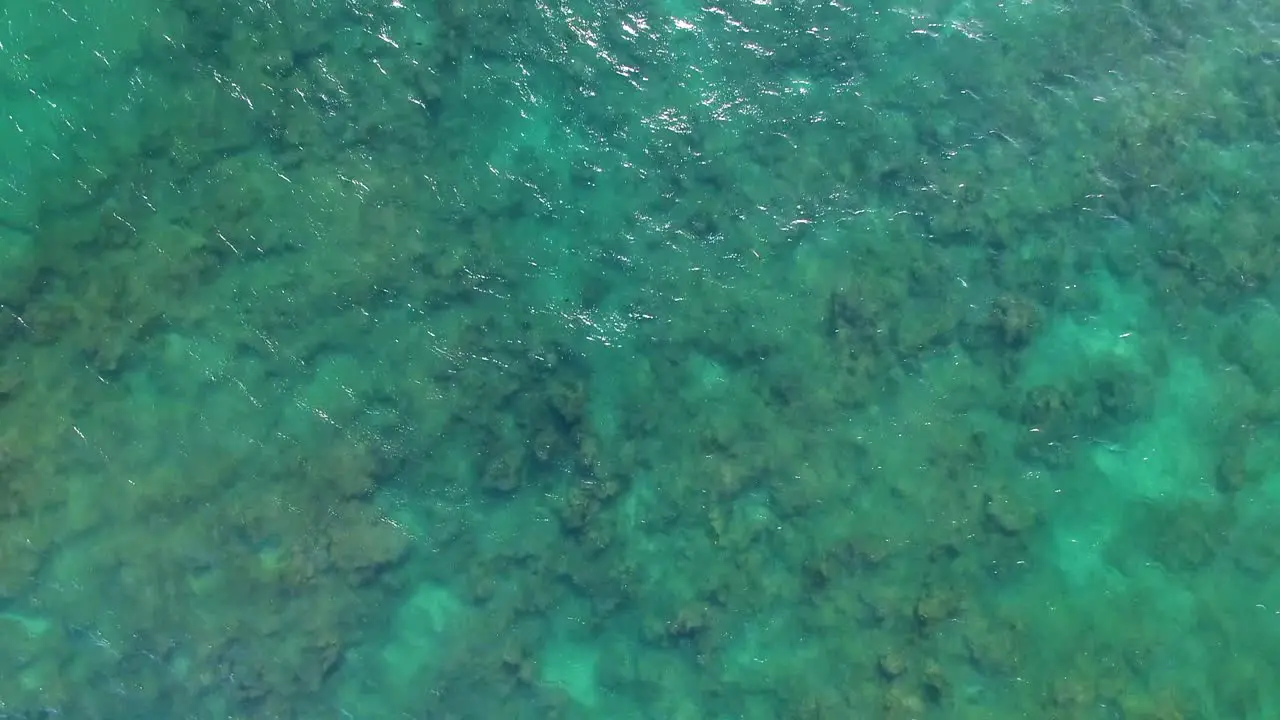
(412, 362)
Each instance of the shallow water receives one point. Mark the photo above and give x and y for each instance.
(593, 360)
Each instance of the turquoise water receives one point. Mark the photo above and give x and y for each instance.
(593, 360)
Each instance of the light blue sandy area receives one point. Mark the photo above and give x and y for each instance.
(665, 361)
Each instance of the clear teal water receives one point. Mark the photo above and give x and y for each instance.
(592, 360)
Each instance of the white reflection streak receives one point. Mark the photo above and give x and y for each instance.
(228, 242)
(324, 416)
(669, 119)
(246, 392)
(385, 37)
(584, 35)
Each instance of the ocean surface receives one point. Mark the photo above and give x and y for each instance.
(409, 360)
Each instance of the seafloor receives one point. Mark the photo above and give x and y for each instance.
(407, 360)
